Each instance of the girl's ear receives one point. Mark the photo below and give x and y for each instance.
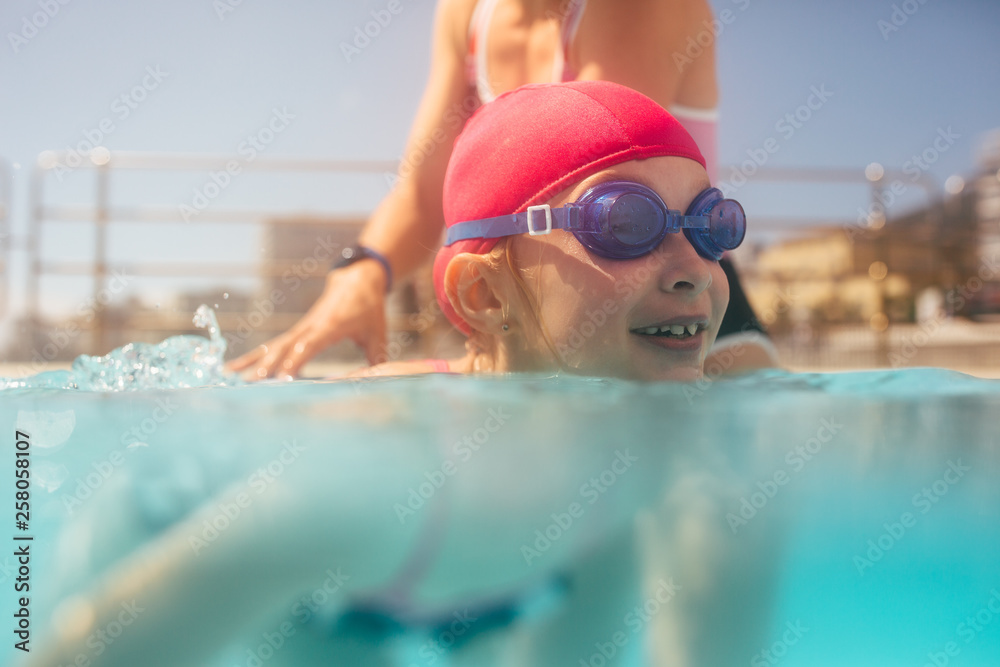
(477, 292)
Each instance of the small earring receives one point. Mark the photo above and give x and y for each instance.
(505, 327)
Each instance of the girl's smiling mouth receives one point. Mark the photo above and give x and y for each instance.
(683, 333)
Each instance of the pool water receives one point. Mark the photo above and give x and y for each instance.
(780, 518)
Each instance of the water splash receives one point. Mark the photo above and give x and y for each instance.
(179, 361)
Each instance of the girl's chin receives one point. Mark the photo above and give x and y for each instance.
(681, 374)
(653, 362)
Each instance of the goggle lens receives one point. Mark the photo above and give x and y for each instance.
(728, 224)
(634, 219)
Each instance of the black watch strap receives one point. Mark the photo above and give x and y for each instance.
(352, 254)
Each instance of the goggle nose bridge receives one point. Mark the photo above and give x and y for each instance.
(677, 221)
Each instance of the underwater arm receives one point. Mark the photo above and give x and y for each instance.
(182, 597)
(186, 595)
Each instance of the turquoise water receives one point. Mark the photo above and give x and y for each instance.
(791, 519)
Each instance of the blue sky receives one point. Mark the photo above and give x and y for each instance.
(224, 68)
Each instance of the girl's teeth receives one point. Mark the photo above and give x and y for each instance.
(672, 330)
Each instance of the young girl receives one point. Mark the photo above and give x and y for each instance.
(550, 289)
(567, 250)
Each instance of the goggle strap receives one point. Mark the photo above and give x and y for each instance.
(565, 217)
(525, 222)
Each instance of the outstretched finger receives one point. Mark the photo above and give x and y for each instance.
(273, 363)
(374, 341)
(246, 359)
(304, 349)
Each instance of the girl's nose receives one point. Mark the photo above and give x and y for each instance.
(683, 270)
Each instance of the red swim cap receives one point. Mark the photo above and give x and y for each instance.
(531, 143)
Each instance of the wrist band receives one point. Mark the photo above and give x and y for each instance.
(353, 254)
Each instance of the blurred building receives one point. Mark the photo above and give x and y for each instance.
(879, 272)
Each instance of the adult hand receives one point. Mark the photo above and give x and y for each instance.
(352, 306)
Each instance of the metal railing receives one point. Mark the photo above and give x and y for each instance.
(104, 165)
(102, 212)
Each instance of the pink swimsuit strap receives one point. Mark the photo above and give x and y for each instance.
(439, 365)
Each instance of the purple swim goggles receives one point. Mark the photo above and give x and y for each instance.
(622, 220)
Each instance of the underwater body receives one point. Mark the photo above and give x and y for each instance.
(800, 519)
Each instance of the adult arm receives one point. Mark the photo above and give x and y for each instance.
(405, 227)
